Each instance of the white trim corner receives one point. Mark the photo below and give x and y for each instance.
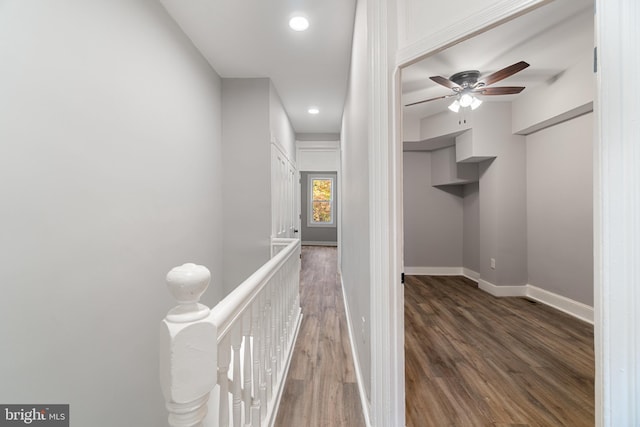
(470, 274)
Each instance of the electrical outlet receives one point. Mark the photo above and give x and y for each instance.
(493, 263)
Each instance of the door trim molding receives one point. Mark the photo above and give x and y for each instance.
(385, 188)
(616, 213)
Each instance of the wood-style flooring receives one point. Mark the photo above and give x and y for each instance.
(321, 388)
(475, 360)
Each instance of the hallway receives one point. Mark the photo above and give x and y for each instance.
(321, 388)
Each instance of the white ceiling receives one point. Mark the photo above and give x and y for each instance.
(551, 39)
(251, 38)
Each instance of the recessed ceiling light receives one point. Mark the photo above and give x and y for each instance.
(313, 110)
(299, 23)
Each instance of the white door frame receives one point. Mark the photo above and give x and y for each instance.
(617, 214)
(327, 158)
(385, 188)
(616, 202)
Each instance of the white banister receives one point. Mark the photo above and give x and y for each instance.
(247, 324)
(240, 349)
(224, 358)
(236, 342)
(262, 355)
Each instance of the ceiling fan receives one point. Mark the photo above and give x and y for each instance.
(465, 85)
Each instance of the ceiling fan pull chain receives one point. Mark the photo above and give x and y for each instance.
(464, 115)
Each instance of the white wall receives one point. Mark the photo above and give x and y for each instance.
(247, 177)
(433, 217)
(500, 205)
(318, 155)
(531, 212)
(422, 18)
(471, 227)
(569, 95)
(560, 209)
(252, 115)
(280, 126)
(424, 26)
(354, 227)
(411, 128)
(503, 216)
(110, 170)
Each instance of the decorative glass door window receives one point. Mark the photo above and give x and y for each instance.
(320, 201)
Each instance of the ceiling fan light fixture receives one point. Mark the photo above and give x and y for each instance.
(465, 84)
(466, 100)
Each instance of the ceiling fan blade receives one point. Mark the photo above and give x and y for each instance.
(430, 99)
(504, 73)
(445, 82)
(502, 90)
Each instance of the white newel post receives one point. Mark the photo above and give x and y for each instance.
(249, 335)
(188, 348)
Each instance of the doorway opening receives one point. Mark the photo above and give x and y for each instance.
(502, 194)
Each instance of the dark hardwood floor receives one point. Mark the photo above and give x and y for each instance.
(321, 388)
(475, 360)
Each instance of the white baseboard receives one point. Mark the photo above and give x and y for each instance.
(574, 308)
(470, 274)
(564, 304)
(502, 291)
(317, 243)
(364, 402)
(433, 271)
(443, 271)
